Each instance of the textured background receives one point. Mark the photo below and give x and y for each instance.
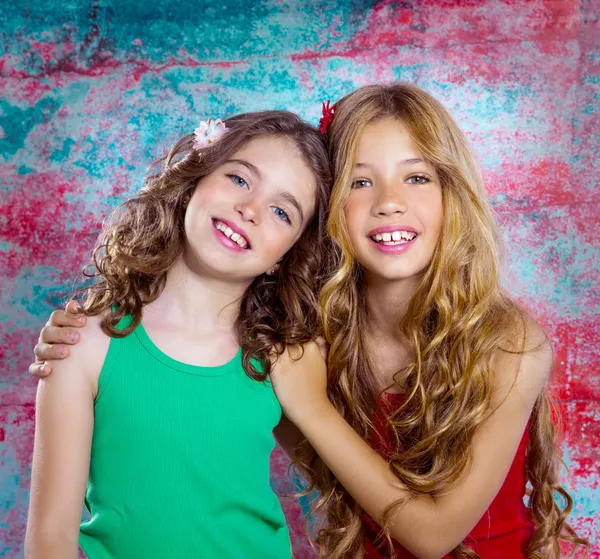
(91, 90)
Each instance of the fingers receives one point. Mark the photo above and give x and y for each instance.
(59, 332)
(59, 335)
(73, 307)
(323, 347)
(44, 352)
(321, 341)
(66, 318)
(39, 370)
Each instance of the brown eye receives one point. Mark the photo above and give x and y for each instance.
(418, 179)
(361, 183)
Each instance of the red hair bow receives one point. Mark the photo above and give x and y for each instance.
(327, 117)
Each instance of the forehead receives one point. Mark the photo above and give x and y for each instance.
(261, 146)
(387, 138)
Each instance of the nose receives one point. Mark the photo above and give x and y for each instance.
(391, 199)
(248, 211)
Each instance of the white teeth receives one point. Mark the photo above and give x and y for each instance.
(395, 237)
(229, 233)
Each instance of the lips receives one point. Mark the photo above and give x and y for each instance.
(230, 234)
(393, 239)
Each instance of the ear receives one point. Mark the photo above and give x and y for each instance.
(274, 269)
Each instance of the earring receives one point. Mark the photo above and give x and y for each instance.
(186, 201)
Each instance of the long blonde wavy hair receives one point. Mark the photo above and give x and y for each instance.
(457, 319)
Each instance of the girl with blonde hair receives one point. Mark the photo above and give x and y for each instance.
(430, 362)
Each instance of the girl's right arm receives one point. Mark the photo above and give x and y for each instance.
(61, 456)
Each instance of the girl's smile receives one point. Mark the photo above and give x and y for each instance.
(393, 239)
(230, 235)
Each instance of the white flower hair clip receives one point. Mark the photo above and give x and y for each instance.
(208, 132)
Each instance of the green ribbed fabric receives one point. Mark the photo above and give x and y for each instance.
(180, 460)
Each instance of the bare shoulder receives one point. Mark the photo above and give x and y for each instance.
(525, 363)
(86, 357)
(94, 342)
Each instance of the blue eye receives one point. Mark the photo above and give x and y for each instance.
(238, 181)
(361, 183)
(418, 179)
(281, 214)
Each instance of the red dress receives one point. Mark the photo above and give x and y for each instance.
(504, 530)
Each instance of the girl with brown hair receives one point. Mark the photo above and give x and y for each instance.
(431, 421)
(162, 416)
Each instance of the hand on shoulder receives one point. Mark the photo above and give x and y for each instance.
(86, 357)
(57, 335)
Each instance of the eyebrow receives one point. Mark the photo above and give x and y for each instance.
(412, 161)
(252, 168)
(289, 197)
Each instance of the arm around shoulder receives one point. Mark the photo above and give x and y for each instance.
(517, 378)
(61, 456)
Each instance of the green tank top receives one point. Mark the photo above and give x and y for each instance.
(180, 462)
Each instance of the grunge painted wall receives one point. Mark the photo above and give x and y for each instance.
(91, 90)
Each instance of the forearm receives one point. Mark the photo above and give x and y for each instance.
(368, 478)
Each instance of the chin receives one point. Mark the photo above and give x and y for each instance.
(393, 273)
(398, 276)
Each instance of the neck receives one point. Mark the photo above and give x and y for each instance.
(197, 302)
(387, 304)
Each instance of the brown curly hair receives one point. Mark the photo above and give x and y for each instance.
(145, 235)
(457, 319)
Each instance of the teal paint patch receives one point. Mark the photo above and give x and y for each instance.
(61, 155)
(19, 122)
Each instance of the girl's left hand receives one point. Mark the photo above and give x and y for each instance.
(299, 378)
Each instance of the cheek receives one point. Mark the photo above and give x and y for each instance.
(195, 208)
(278, 240)
(432, 211)
(200, 197)
(352, 214)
